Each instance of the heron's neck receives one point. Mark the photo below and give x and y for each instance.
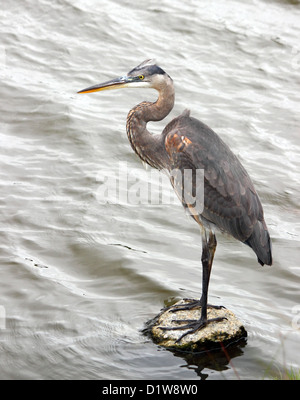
(150, 148)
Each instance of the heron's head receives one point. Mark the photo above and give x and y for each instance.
(145, 75)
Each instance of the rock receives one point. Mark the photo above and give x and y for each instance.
(213, 335)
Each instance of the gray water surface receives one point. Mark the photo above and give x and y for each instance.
(80, 276)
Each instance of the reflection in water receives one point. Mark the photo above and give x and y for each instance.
(214, 360)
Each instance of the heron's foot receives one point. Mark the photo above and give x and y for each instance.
(215, 307)
(188, 306)
(192, 325)
(192, 305)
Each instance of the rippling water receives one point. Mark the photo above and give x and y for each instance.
(81, 276)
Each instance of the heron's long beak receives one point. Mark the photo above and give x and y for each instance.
(116, 83)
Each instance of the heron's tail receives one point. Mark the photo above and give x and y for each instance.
(260, 242)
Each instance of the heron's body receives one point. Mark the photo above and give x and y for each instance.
(230, 200)
(231, 203)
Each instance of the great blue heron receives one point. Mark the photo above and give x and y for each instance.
(230, 199)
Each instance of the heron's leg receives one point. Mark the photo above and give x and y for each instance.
(211, 243)
(206, 260)
(208, 250)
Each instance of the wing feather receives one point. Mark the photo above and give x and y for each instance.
(230, 199)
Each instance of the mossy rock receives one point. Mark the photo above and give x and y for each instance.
(215, 334)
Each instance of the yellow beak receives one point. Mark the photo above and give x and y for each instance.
(116, 83)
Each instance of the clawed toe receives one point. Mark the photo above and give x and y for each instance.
(185, 307)
(192, 326)
(191, 306)
(188, 323)
(216, 307)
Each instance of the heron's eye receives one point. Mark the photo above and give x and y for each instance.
(141, 77)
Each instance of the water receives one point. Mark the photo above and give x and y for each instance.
(80, 277)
